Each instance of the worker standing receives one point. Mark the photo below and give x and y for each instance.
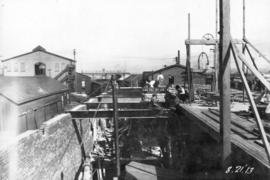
(160, 79)
(171, 80)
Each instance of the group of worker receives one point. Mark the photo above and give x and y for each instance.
(174, 94)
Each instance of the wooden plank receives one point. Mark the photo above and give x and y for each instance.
(238, 121)
(206, 124)
(201, 42)
(212, 128)
(208, 42)
(149, 172)
(125, 113)
(236, 129)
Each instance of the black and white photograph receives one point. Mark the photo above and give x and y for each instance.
(134, 89)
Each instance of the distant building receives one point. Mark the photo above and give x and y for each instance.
(83, 83)
(37, 62)
(134, 80)
(105, 75)
(179, 73)
(32, 100)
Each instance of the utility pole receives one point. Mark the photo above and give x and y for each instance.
(225, 91)
(75, 71)
(115, 118)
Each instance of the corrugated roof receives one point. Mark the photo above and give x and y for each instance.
(20, 90)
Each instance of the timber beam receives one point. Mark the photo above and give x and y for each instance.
(123, 113)
(209, 42)
(119, 100)
(125, 105)
(255, 49)
(241, 57)
(148, 118)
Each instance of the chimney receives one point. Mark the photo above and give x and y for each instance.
(178, 57)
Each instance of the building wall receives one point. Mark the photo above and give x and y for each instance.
(177, 72)
(14, 67)
(30, 115)
(79, 80)
(96, 89)
(105, 75)
(198, 79)
(51, 152)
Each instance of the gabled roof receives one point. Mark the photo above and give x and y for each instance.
(169, 67)
(165, 68)
(20, 90)
(39, 49)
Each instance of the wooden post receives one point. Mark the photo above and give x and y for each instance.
(216, 61)
(115, 117)
(225, 99)
(243, 44)
(244, 19)
(189, 81)
(253, 104)
(255, 49)
(35, 118)
(251, 57)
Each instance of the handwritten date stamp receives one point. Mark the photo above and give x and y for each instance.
(240, 169)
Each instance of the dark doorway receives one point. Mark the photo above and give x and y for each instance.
(40, 69)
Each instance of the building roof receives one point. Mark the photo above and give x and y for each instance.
(150, 73)
(20, 90)
(39, 49)
(81, 74)
(169, 67)
(134, 77)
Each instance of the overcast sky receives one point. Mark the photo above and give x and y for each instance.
(131, 35)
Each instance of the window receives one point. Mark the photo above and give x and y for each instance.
(56, 67)
(22, 67)
(63, 65)
(8, 67)
(16, 68)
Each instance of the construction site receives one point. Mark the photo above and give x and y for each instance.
(178, 122)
